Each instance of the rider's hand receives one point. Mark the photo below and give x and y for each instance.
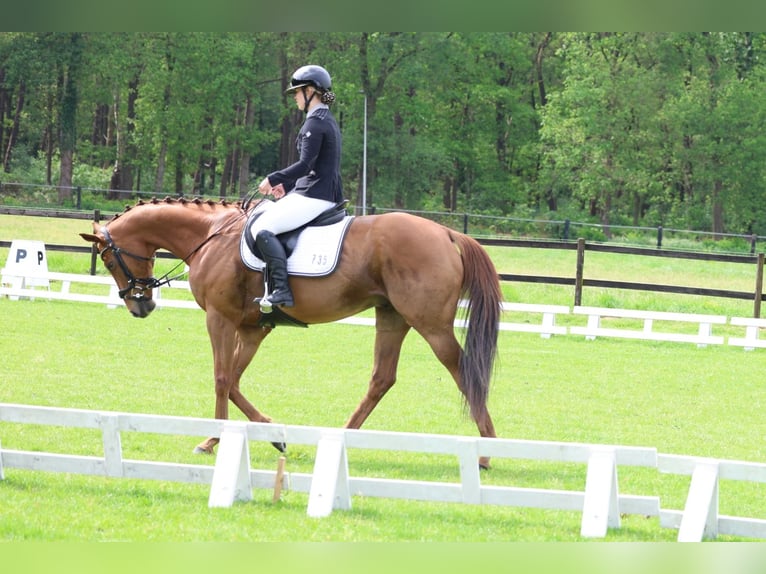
(265, 186)
(278, 191)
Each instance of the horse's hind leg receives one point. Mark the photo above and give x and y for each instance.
(390, 330)
(447, 349)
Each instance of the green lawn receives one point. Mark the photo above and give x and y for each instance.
(676, 397)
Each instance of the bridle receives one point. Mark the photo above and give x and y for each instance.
(141, 284)
(137, 284)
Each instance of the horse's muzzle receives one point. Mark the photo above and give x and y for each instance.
(140, 307)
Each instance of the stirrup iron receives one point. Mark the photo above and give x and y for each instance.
(264, 302)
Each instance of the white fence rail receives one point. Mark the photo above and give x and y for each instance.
(58, 286)
(331, 486)
(594, 328)
(530, 318)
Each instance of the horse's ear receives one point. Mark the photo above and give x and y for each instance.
(90, 237)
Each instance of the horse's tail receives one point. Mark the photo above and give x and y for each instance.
(481, 288)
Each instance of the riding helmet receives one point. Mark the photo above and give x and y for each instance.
(310, 75)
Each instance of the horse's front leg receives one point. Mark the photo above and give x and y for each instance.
(222, 335)
(233, 350)
(249, 340)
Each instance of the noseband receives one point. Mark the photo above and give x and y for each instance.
(138, 284)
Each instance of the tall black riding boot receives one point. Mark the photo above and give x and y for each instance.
(276, 262)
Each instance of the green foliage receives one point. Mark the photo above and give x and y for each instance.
(641, 129)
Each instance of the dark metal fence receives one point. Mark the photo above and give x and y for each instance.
(567, 230)
(53, 200)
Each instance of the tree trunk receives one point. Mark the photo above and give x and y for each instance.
(159, 182)
(179, 175)
(244, 160)
(49, 155)
(65, 175)
(605, 213)
(49, 139)
(234, 179)
(213, 167)
(718, 224)
(68, 118)
(198, 179)
(115, 182)
(129, 148)
(5, 107)
(551, 200)
(225, 175)
(539, 68)
(448, 188)
(287, 152)
(14, 133)
(100, 135)
(160, 177)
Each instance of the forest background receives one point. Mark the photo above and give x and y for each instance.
(655, 129)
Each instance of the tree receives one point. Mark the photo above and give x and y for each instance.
(618, 128)
(598, 131)
(72, 48)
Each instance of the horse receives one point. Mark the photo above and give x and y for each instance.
(412, 270)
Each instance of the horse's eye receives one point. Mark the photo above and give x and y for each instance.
(110, 265)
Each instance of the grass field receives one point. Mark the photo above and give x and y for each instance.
(679, 398)
(676, 397)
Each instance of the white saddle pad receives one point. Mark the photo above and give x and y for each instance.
(316, 253)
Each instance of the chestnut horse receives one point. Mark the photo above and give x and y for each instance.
(413, 271)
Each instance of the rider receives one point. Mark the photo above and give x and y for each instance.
(306, 188)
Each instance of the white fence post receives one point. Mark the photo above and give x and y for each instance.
(110, 436)
(549, 322)
(600, 507)
(469, 471)
(231, 476)
(329, 481)
(700, 518)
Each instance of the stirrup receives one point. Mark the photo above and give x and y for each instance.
(264, 302)
(267, 305)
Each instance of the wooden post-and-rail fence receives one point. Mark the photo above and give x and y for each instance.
(580, 281)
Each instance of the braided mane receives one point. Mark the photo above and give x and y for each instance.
(197, 201)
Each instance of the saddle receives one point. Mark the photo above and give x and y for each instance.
(289, 239)
(312, 250)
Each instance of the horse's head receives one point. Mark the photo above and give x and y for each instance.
(131, 268)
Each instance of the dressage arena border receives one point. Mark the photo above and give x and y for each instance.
(331, 487)
(38, 286)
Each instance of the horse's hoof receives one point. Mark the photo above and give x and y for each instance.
(200, 450)
(280, 446)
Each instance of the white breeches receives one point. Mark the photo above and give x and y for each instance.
(288, 213)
